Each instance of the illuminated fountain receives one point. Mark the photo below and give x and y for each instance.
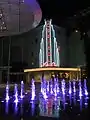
(63, 86)
(7, 92)
(74, 88)
(41, 86)
(22, 90)
(58, 90)
(47, 86)
(49, 99)
(51, 87)
(55, 87)
(70, 87)
(63, 101)
(44, 88)
(16, 107)
(85, 87)
(80, 89)
(33, 90)
(16, 93)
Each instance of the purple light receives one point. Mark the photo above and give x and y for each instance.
(7, 93)
(21, 109)
(80, 92)
(6, 107)
(70, 89)
(86, 93)
(80, 89)
(41, 87)
(47, 86)
(51, 89)
(70, 98)
(16, 107)
(74, 89)
(85, 87)
(64, 101)
(22, 87)
(16, 93)
(63, 86)
(44, 88)
(33, 107)
(55, 92)
(74, 99)
(58, 89)
(80, 104)
(45, 95)
(33, 90)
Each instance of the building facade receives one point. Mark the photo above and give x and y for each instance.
(49, 50)
(25, 48)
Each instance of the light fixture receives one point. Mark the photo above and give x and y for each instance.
(76, 30)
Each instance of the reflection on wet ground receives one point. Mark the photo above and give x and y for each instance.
(64, 105)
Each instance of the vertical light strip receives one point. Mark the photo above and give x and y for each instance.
(58, 59)
(50, 45)
(43, 31)
(43, 43)
(46, 44)
(54, 49)
(41, 56)
(54, 44)
(39, 60)
(43, 49)
(56, 52)
(57, 56)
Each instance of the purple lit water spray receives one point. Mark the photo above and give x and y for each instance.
(55, 87)
(51, 87)
(70, 88)
(74, 88)
(16, 93)
(47, 86)
(80, 89)
(63, 86)
(41, 86)
(85, 87)
(22, 90)
(44, 89)
(7, 92)
(33, 90)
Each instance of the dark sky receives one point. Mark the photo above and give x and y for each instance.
(62, 11)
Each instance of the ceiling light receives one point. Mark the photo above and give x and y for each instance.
(76, 30)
